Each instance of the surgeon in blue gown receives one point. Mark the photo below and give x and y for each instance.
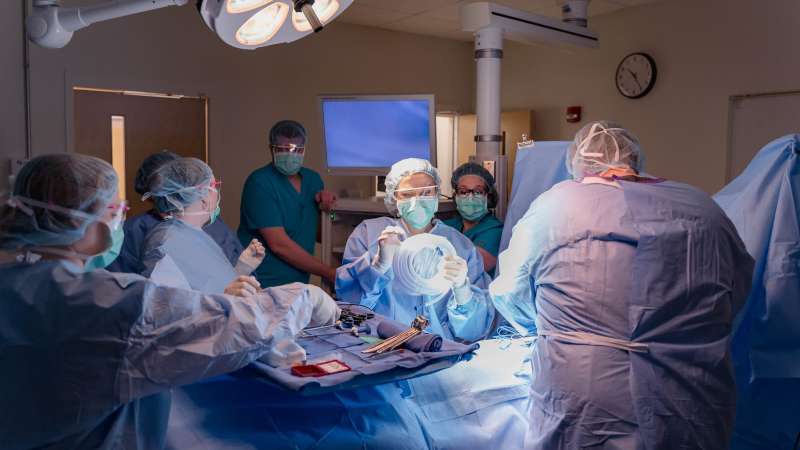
(764, 205)
(477, 404)
(137, 227)
(89, 358)
(636, 283)
(366, 275)
(177, 251)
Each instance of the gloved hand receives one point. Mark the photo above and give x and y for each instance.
(285, 353)
(250, 258)
(388, 243)
(326, 311)
(243, 286)
(454, 269)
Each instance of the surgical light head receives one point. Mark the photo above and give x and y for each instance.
(250, 24)
(246, 24)
(600, 146)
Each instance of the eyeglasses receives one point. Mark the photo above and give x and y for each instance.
(215, 185)
(288, 148)
(425, 191)
(461, 192)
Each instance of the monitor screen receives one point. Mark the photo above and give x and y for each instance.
(367, 134)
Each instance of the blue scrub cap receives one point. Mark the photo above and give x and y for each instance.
(55, 198)
(149, 165)
(179, 183)
(289, 129)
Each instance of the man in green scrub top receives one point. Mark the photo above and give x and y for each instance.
(475, 194)
(281, 205)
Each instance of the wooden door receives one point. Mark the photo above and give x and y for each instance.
(124, 128)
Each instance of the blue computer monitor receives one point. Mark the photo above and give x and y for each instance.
(366, 134)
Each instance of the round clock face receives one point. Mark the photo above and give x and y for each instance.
(636, 75)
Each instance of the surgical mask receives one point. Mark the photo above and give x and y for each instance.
(104, 259)
(472, 207)
(213, 215)
(217, 210)
(288, 163)
(418, 211)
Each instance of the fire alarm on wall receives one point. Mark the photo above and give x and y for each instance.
(573, 114)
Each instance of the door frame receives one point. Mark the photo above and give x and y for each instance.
(70, 109)
(732, 101)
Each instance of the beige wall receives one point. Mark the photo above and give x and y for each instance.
(706, 51)
(12, 88)
(172, 51)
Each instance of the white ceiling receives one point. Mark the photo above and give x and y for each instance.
(441, 17)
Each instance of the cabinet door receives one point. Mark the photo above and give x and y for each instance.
(513, 124)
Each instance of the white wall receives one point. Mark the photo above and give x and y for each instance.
(172, 51)
(706, 51)
(12, 87)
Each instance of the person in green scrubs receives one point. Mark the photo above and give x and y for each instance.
(475, 194)
(281, 204)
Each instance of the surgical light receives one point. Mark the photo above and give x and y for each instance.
(241, 6)
(323, 9)
(263, 25)
(250, 24)
(246, 24)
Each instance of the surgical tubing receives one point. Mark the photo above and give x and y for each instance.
(409, 279)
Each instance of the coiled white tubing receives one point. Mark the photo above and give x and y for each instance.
(412, 282)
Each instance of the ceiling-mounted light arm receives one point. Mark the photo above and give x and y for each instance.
(52, 26)
(307, 8)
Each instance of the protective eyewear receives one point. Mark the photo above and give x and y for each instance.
(470, 192)
(216, 185)
(425, 191)
(288, 148)
(119, 212)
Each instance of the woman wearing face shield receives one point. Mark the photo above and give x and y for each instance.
(632, 284)
(367, 277)
(137, 228)
(475, 194)
(89, 357)
(177, 252)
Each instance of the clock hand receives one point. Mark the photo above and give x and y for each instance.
(635, 78)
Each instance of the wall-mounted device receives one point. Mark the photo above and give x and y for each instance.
(366, 134)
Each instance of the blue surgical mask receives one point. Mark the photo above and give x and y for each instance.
(418, 211)
(104, 259)
(288, 163)
(215, 215)
(472, 207)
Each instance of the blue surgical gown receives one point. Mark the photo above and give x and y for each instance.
(764, 205)
(138, 227)
(358, 282)
(180, 255)
(239, 412)
(654, 265)
(88, 359)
